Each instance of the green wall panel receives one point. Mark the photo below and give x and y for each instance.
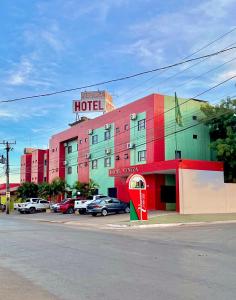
(190, 148)
(97, 151)
(72, 161)
(138, 138)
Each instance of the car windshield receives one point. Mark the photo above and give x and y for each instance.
(97, 201)
(90, 198)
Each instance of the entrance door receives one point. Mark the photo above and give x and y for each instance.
(112, 192)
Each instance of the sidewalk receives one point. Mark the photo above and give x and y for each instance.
(121, 221)
(175, 219)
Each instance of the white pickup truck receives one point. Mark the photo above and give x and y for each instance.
(81, 205)
(28, 200)
(34, 206)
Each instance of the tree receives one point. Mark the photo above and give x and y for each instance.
(221, 120)
(86, 189)
(58, 187)
(27, 190)
(45, 190)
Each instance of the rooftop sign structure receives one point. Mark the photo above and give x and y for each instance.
(94, 101)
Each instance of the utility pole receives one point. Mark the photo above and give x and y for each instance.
(8, 148)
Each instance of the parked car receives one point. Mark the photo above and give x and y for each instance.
(107, 205)
(81, 205)
(28, 200)
(54, 206)
(66, 207)
(33, 207)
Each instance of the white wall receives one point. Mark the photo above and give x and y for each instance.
(205, 192)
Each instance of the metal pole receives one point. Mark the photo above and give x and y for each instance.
(7, 181)
(141, 205)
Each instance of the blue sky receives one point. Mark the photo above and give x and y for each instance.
(56, 44)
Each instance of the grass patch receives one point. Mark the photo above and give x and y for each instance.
(178, 218)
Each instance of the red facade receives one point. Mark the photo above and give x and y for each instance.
(39, 172)
(25, 171)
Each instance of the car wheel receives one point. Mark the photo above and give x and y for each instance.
(82, 211)
(32, 210)
(104, 212)
(22, 212)
(70, 210)
(94, 214)
(127, 209)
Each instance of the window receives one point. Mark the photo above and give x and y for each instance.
(45, 162)
(177, 154)
(142, 155)
(94, 164)
(117, 129)
(94, 139)
(117, 157)
(69, 150)
(44, 179)
(126, 127)
(69, 170)
(194, 117)
(80, 141)
(141, 124)
(107, 135)
(126, 156)
(195, 136)
(85, 140)
(107, 162)
(77, 146)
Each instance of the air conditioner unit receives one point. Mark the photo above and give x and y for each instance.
(88, 155)
(130, 145)
(133, 116)
(107, 126)
(65, 144)
(108, 151)
(90, 131)
(64, 162)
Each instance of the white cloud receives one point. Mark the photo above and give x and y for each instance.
(216, 9)
(21, 73)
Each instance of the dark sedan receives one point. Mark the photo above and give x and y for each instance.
(108, 205)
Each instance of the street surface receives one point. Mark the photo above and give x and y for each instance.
(41, 260)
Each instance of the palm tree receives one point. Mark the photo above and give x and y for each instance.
(45, 190)
(58, 187)
(86, 189)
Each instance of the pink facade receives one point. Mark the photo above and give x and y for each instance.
(25, 171)
(38, 170)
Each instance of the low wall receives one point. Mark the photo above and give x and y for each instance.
(205, 192)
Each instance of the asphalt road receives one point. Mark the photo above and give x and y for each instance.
(55, 261)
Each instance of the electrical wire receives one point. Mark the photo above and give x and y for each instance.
(120, 78)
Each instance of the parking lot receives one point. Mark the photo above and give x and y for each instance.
(82, 220)
(74, 218)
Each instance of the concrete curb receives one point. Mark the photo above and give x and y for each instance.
(117, 226)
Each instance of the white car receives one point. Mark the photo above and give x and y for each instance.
(32, 207)
(81, 205)
(29, 200)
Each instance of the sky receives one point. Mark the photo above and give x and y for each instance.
(49, 45)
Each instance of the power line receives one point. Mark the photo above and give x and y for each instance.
(197, 51)
(154, 139)
(120, 78)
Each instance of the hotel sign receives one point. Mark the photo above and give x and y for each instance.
(123, 171)
(97, 101)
